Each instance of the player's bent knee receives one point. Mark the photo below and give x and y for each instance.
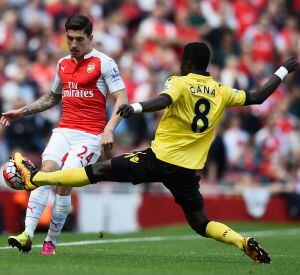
(197, 219)
(63, 191)
(49, 166)
(98, 168)
(202, 229)
(101, 169)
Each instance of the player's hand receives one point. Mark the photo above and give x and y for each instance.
(10, 116)
(125, 110)
(107, 141)
(290, 64)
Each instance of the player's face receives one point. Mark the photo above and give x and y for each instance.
(78, 42)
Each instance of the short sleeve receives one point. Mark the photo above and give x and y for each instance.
(111, 75)
(57, 86)
(172, 88)
(233, 97)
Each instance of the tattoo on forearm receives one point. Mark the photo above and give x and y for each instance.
(43, 103)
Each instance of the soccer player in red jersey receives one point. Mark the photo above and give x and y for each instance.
(83, 80)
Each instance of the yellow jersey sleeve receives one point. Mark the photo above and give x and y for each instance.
(173, 88)
(233, 97)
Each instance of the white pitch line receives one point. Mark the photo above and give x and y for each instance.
(265, 233)
(274, 232)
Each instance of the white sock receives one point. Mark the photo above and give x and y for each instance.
(60, 211)
(35, 207)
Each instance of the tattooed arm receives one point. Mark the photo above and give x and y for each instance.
(43, 103)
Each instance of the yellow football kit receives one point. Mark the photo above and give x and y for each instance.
(183, 138)
(186, 130)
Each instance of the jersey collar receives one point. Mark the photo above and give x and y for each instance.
(86, 56)
(200, 73)
(90, 54)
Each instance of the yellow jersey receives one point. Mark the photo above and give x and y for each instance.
(186, 129)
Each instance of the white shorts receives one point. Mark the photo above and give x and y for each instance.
(72, 148)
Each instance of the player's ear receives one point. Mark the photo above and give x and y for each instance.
(91, 37)
(188, 64)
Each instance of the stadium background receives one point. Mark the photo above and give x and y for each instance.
(253, 171)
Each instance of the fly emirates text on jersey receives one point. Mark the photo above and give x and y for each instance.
(73, 91)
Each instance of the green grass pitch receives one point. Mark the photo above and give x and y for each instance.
(168, 250)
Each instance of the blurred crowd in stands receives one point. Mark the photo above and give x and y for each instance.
(249, 39)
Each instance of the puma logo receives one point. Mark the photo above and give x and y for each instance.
(55, 224)
(63, 68)
(30, 208)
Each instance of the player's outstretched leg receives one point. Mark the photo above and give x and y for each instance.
(22, 242)
(71, 177)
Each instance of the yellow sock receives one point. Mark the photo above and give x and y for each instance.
(222, 233)
(72, 177)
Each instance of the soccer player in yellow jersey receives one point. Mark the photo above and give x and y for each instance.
(194, 104)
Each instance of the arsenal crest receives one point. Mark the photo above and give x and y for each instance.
(90, 67)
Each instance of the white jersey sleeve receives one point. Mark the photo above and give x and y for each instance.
(57, 86)
(111, 75)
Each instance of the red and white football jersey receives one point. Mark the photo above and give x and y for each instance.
(84, 85)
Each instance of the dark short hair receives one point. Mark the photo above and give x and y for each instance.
(79, 22)
(198, 53)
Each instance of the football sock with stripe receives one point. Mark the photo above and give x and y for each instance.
(60, 211)
(222, 233)
(35, 207)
